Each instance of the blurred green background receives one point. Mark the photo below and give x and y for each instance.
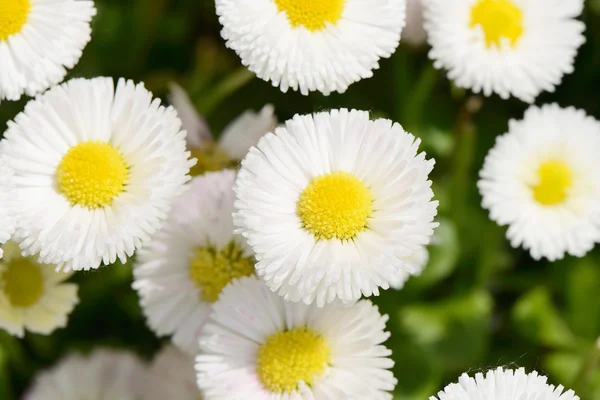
(479, 304)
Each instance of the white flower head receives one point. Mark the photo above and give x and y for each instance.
(335, 205)
(8, 206)
(96, 170)
(39, 41)
(414, 33)
(183, 269)
(323, 45)
(33, 296)
(542, 179)
(172, 376)
(514, 48)
(258, 346)
(503, 384)
(104, 374)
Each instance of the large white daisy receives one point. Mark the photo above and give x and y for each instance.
(96, 169)
(514, 48)
(33, 296)
(8, 206)
(503, 384)
(323, 45)
(335, 205)
(183, 269)
(171, 376)
(542, 178)
(104, 374)
(39, 41)
(258, 346)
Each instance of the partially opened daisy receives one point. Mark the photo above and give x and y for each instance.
(335, 205)
(33, 296)
(542, 179)
(182, 271)
(104, 374)
(235, 140)
(8, 204)
(258, 346)
(39, 41)
(503, 384)
(323, 45)
(514, 48)
(96, 170)
(171, 376)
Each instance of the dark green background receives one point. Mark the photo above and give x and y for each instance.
(480, 304)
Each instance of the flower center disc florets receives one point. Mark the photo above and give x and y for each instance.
(555, 180)
(23, 282)
(499, 19)
(13, 16)
(312, 14)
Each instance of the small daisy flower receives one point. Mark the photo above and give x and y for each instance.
(8, 208)
(414, 33)
(542, 179)
(514, 48)
(39, 41)
(258, 346)
(33, 296)
(335, 205)
(503, 384)
(323, 45)
(96, 170)
(182, 271)
(104, 374)
(172, 376)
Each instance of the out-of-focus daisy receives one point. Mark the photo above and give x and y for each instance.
(323, 45)
(7, 203)
(39, 41)
(514, 48)
(542, 178)
(182, 271)
(33, 296)
(503, 384)
(258, 346)
(96, 170)
(335, 205)
(414, 33)
(233, 144)
(172, 376)
(104, 374)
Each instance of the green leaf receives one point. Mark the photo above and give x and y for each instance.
(583, 302)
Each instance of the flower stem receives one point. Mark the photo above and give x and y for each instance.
(224, 89)
(419, 96)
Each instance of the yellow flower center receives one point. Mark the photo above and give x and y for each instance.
(288, 357)
(211, 270)
(13, 15)
(555, 180)
(498, 19)
(312, 14)
(92, 174)
(210, 158)
(335, 205)
(23, 282)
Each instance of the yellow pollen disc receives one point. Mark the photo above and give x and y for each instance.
(498, 19)
(23, 282)
(13, 16)
(555, 180)
(286, 358)
(312, 14)
(92, 174)
(335, 205)
(211, 270)
(210, 158)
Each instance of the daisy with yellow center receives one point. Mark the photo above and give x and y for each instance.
(182, 271)
(335, 206)
(39, 41)
(514, 48)
(542, 178)
(94, 182)
(263, 347)
(312, 45)
(33, 296)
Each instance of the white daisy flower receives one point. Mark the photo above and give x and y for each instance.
(8, 208)
(182, 270)
(33, 296)
(335, 205)
(39, 41)
(323, 45)
(96, 170)
(104, 374)
(414, 33)
(503, 384)
(514, 48)
(172, 376)
(258, 346)
(542, 178)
